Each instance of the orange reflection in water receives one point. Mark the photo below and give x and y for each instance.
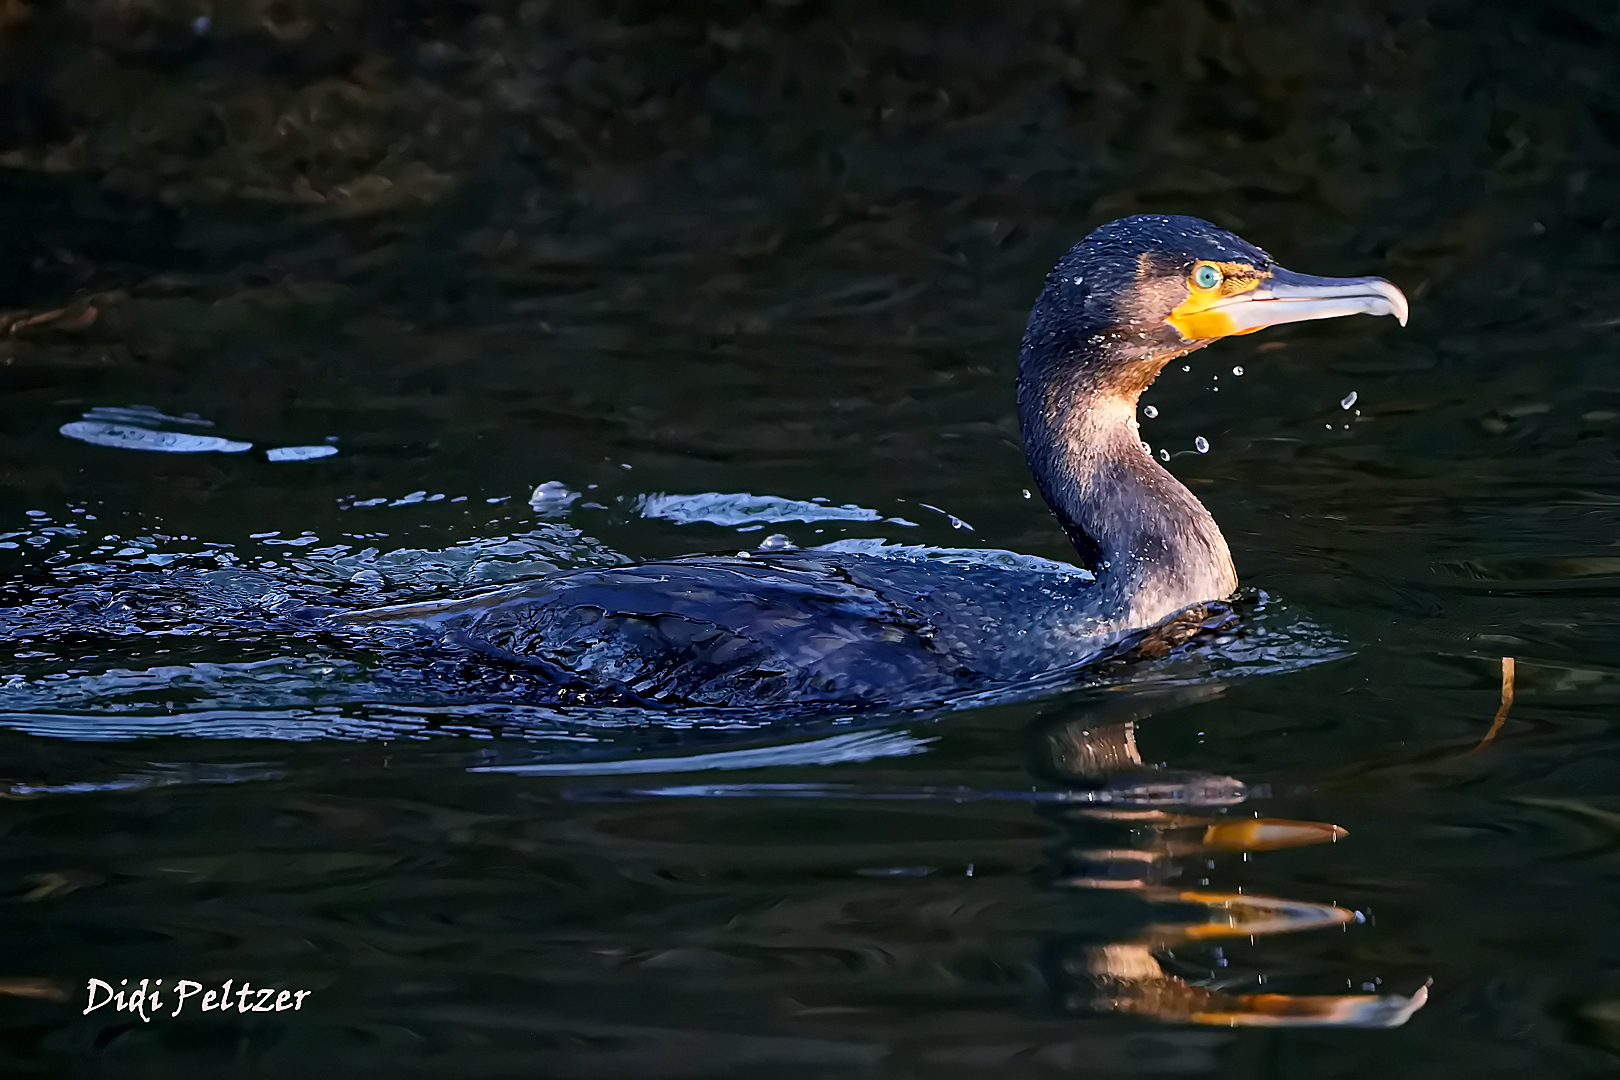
(1127, 976)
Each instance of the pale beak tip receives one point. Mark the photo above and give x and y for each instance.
(1398, 306)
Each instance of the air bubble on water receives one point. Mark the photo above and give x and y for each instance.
(1349, 400)
(1164, 455)
(1150, 412)
(777, 542)
(552, 497)
(1201, 444)
(1238, 370)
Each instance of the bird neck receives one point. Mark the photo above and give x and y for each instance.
(1153, 546)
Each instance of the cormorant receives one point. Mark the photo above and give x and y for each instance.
(842, 628)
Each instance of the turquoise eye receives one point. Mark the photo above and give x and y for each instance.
(1206, 277)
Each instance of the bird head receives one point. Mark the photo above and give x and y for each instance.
(1142, 290)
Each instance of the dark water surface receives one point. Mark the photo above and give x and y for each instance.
(784, 253)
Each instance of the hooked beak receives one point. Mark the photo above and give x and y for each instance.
(1287, 297)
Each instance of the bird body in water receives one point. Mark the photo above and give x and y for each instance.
(842, 628)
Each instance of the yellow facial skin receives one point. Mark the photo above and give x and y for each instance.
(1193, 318)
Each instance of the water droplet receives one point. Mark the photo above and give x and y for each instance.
(956, 522)
(1150, 412)
(1201, 444)
(1349, 400)
(1026, 492)
(1186, 367)
(777, 542)
(1146, 449)
(1164, 455)
(1238, 370)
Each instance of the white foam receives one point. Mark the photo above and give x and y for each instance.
(126, 437)
(299, 453)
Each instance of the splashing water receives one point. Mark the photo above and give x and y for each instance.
(156, 635)
(717, 508)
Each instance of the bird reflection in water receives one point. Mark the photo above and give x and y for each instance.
(1137, 838)
(1132, 836)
